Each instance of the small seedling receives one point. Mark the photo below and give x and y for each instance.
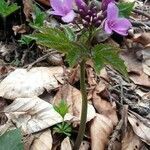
(64, 127)
(62, 108)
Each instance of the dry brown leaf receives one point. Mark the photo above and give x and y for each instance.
(74, 100)
(146, 61)
(23, 83)
(28, 9)
(33, 114)
(135, 69)
(43, 141)
(131, 141)
(100, 130)
(143, 38)
(65, 145)
(27, 141)
(19, 29)
(103, 106)
(140, 129)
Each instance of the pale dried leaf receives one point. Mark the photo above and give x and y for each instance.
(74, 100)
(143, 38)
(135, 69)
(33, 114)
(65, 145)
(85, 145)
(140, 129)
(146, 61)
(100, 130)
(131, 141)
(44, 141)
(23, 83)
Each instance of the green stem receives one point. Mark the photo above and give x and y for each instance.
(84, 106)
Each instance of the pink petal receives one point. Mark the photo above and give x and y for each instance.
(112, 11)
(68, 4)
(57, 5)
(69, 17)
(107, 28)
(80, 3)
(56, 13)
(121, 26)
(105, 4)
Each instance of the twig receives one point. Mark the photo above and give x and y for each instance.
(39, 60)
(142, 13)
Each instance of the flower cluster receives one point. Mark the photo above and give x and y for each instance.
(91, 15)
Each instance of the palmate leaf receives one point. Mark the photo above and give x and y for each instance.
(104, 54)
(57, 39)
(62, 108)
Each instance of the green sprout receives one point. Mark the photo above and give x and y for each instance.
(64, 127)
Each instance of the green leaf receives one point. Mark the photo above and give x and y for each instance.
(63, 128)
(70, 33)
(125, 8)
(11, 140)
(39, 17)
(57, 39)
(62, 108)
(104, 54)
(25, 40)
(6, 8)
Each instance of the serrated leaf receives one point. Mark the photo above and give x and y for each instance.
(63, 128)
(57, 39)
(62, 108)
(125, 8)
(6, 8)
(69, 33)
(39, 17)
(104, 54)
(25, 40)
(11, 140)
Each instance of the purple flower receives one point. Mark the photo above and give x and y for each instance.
(63, 8)
(81, 4)
(105, 4)
(114, 23)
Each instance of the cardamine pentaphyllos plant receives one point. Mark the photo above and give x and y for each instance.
(90, 18)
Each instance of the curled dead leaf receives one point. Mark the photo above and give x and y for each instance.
(66, 145)
(23, 83)
(100, 130)
(103, 106)
(44, 141)
(33, 114)
(131, 141)
(140, 128)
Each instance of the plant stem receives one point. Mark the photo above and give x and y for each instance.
(84, 106)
